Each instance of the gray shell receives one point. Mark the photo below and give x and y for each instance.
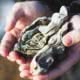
(43, 40)
(31, 39)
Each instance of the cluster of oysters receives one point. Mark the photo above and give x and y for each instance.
(42, 41)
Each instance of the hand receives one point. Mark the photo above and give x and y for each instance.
(23, 13)
(70, 40)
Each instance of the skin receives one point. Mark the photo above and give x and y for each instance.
(20, 16)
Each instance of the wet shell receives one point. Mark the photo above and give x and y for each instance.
(43, 41)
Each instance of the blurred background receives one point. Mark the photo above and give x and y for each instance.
(8, 70)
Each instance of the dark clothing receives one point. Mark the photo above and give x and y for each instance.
(72, 5)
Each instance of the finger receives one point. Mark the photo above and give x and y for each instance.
(21, 61)
(24, 67)
(40, 77)
(10, 59)
(7, 44)
(25, 74)
(9, 40)
(13, 56)
(13, 18)
(71, 38)
(74, 57)
(22, 22)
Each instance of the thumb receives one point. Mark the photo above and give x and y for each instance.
(12, 19)
(71, 38)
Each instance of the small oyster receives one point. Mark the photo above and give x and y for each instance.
(43, 41)
(31, 39)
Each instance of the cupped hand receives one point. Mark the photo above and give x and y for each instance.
(20, 17)
(71, 40)
(73, 58)
(22, 14)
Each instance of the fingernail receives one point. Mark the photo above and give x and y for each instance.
(24, 74)
(14, 55)
(10, 59)
(21, 61)
(4, 52)
(67, 40)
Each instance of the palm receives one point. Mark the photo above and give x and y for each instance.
(72, 58)
(22, 14)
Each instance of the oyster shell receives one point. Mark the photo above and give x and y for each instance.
(43, 41)
(30, 41)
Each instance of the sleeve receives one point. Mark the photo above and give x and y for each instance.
(74, 7)
(54, 5)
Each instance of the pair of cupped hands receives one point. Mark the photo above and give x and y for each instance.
(22, 14)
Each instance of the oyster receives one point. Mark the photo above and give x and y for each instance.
(42, 40)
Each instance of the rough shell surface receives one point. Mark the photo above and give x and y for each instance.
(43, 41)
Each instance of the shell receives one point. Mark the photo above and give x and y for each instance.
(43, 41)
(31, 39)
